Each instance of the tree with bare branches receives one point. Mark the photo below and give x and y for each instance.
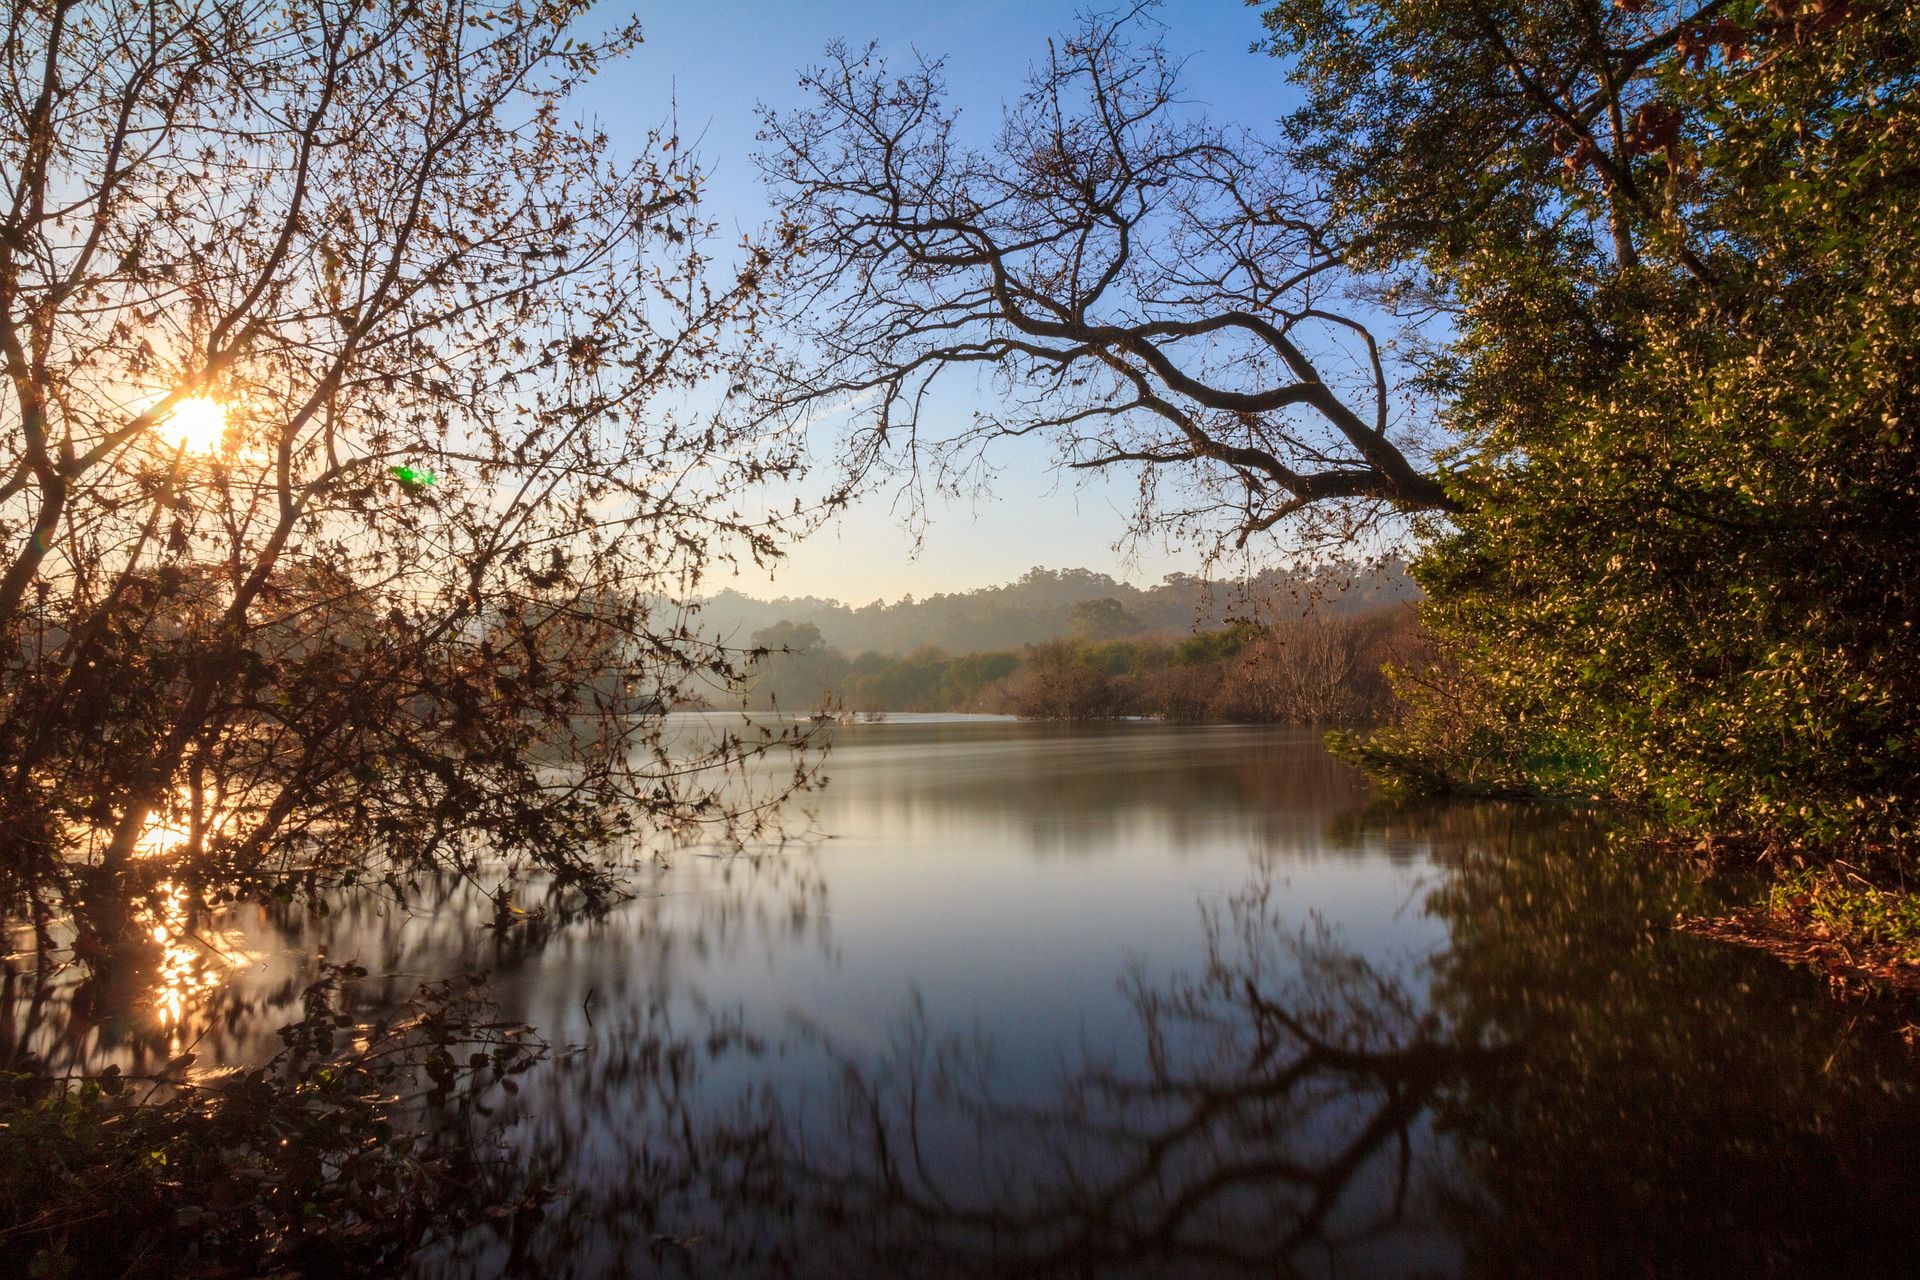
(1140, 288)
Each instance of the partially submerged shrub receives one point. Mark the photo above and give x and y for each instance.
(1454, 731)
(1057, 684)
(354, 1147)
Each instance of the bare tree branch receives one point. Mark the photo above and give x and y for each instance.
(1141, 287)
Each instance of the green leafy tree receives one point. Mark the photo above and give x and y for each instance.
(971, 673)
(1677, 245)
(1213, 646)
(1102, 619)
(912, 683)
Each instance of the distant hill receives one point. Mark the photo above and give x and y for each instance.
(1041, 606)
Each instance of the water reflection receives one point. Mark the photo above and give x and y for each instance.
(1137, 1001)
(1561, 1086)
(1680, 1106)
(1279, 1124)
(1088, 791)
(188, 966)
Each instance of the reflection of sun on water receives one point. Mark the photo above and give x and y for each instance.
(170, 828)
(197, 423)
(186, 969)
(189, 966)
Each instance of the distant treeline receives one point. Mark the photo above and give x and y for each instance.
(1050, 604)
(1325, 668)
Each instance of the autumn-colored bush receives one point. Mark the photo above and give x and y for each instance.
(1057, 683)
(1318, 670)
(1174, 693)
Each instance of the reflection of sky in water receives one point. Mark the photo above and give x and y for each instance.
(1003, 877)
(982, 893)
(1010, 874)
(992, 884)
(1004, 874)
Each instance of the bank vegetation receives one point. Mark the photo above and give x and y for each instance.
(1321, 669)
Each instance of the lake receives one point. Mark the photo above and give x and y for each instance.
(1138, 999)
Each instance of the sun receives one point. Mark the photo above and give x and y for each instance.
(196, 424)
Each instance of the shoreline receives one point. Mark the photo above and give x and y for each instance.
(1852, 968)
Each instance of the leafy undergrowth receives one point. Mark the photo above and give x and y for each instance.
(1831, 918)
(354, 1147)
(1836, 901)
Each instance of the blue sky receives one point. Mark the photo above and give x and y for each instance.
(718, 58)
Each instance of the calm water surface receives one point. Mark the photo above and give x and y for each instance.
(1020, 999)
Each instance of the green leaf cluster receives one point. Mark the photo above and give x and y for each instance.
(1682, 393)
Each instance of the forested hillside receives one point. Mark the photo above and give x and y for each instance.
(1042, 604)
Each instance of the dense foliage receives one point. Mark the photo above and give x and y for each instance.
(342, 1155)
(1678, 244)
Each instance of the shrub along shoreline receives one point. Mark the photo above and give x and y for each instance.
(1324, 670)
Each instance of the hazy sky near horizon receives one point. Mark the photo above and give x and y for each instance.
(715, 60)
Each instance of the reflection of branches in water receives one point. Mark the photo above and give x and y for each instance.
(221, 980)
(183, 953)
(247, 964)
(1683, 1107)
(1276, 1117)
(1270, 1116)
(1441, 830)
(645, 1165)
(1574, 1090)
